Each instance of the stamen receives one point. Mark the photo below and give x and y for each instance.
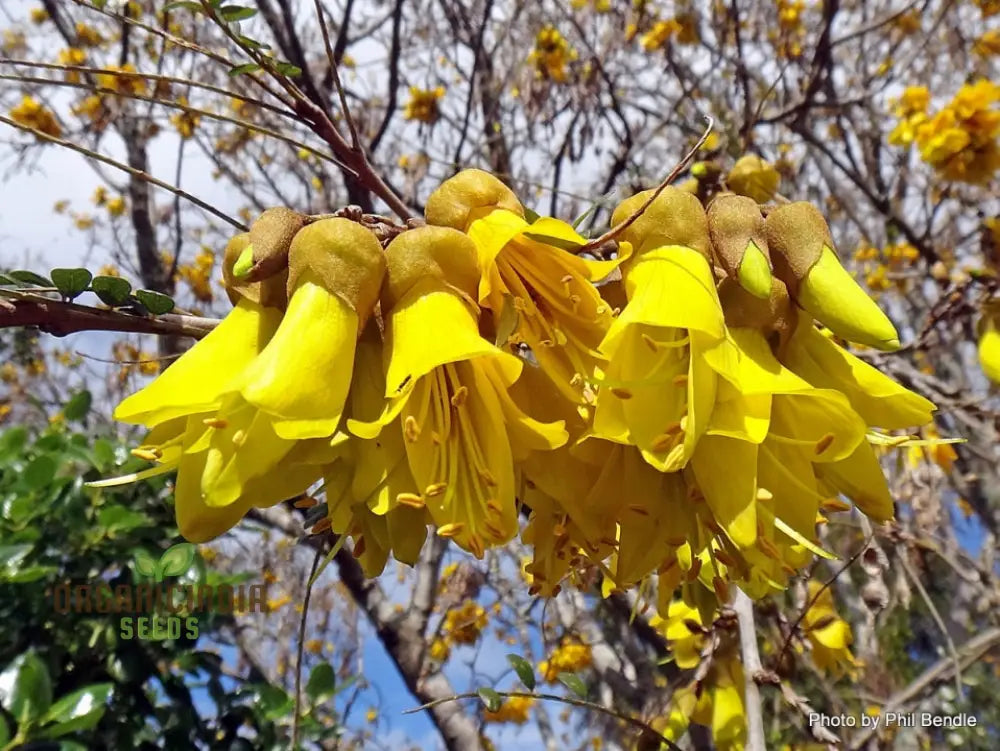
(763, 494)
(411, 499)
(451, 530)
(239, 438)
(435, 489)
(459, 397)
(638, 510)
(721, 589)
(680, 380)
(488, 477)
(650, 342)
(835, 504)
(306, 502)
(695, 569)
(215, 422)
(621, 393)
(493, 506)
(410, 429)
(723, 557)
(321, 526)
(824, 443)
(476, 546)
(150, 455)
(664, 441)
(768, 549)
(493, 530)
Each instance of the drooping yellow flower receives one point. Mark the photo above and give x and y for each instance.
(658, 390)
(246, 415)
(685, 632)
(465, 623)
(829, 635)
(551, 55)
(989, 345)
(449, 387)
(33, 114)
(569, 657)
(540, 294)
(515, 709)
(753, 177)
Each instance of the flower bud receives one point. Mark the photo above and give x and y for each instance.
(467, 196)
(271, 237)
(751, 176)
(674, 218)
(736, 228)
(270, 292)
(346, 258)
(802, 252)
(440, 253)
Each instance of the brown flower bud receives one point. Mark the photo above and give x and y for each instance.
(440, 253)
(344, 257)
(736, 228)
(469, 195)
(674, 218)
(271, 237)
(270, 292)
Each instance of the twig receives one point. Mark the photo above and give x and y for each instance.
(301, 649)
(635, 722)
(612, 233)
(125, 168)
(351, 125)
(815, 597)
(61, 318)
(752, 667)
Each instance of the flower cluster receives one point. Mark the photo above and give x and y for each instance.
(423, 104)
(551, 55)
(960, 140)
(828, 634)
(673, 411)
(515, 709)
(568, 657)
(33, 114)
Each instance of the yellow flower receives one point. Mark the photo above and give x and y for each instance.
(568, 657)
(717, 703)
(39, 16)
(450, 387)
(684, 630)
(122, 84)
(72, 56)
(185, 121)
(116, 206)
(988, 44)
(829, 635)
(551, 55)
(33, 114)
(989, 346)
(753, 177)
(87, 35)
(464, 624)
(658, 36)
(515, 709)
(423, 104)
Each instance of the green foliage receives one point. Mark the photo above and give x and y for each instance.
(74, 677)
(73, 282)
(524, 670)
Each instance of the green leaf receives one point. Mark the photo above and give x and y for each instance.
(113, 290)
(104, 454)
(4, 732)
(156, 302)
(80, 710)
(25, 687)
(574, 683)
(78, 406)
(239, 70)
(29, 277)
(40, 472)
(555, 242)
(177, 559)
(12, 442)
(12, 555)
(490, 698)
(523, 669)
(273, 702)
(287, 69)
(232, 13)
(322, 682)
(583, 217)
(27, 574)
(253, 43)
(116, 518)
(187, 4)
(145, 564)
(71, 282)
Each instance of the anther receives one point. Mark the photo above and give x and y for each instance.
(410, 499)
(215, 422)
(824, 443)
(150, 455)
(650, 342)
(435, 489)
(239, 438)
(621, 393)
(459, 397)
(410, 429)
(450, 530)
(359, 547)
(763, 494)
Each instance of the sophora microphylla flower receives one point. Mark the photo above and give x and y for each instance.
(829, 635)
(989, 344)
(252, 426)
(658, 390)
(539, 293)
(449, 386)
(805, 260)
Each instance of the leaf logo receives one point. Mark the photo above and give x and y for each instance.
(175, 560)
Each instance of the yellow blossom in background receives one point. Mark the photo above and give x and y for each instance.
(72, 56)
(100, 196)
(122, 84)
(988, 7)
(116, 206)
(87, 35)
(440, 650)
(33, 114)
(464, 624)
(371, 715)
(568, 657)
(829, 635)
(39, 15)
(684, 631)
(658, 36)
(423, 104)
(13, 43)
(198, 275)
(988, 45)
(83, 221)
(551, 55)
(185, 121)
(941, 454)
(515, 709)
